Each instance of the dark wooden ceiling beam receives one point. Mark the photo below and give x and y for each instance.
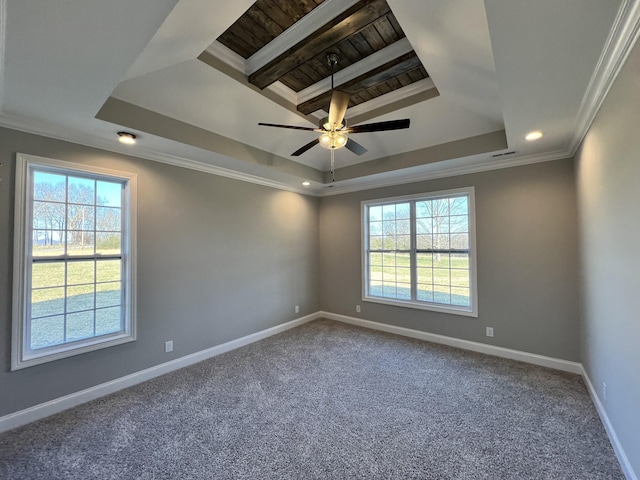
(402, 64)
(347, 23)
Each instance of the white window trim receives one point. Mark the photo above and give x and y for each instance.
(22, 258)
(471, 311)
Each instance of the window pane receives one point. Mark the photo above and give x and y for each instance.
(459, 205)
(389, 290)
(108, 294)
(388, 212)
(442, 295)
(460, 296)
(460, 260)
(423, 209)
(49, 186)
(441, 260)
(403, 242)
(109, 270)
(80, 272)
(404, 291)
(108, 320)
(80, 242)
(441, 276)
(423, 225)
(47, 301)
(47, 275)
(108, 243)
(46, 332)
(441, 242)
(48, 243)
(108, 219)
(403, 274)
(375, 213)
(109, 193)
(424, 242)
(389, 242)
(80, 298)
(403, 227)
(79, 325)
(425, 275)
(375, 243)
(375, 259)
(459, 278)
(425, 293)
(403, 259)
(403, 210)
(460, 241)
(459, 224)
(425, 259)
(375, 228)
(81, 191)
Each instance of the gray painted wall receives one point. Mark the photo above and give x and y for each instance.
(608, 174)
(217, 259)
(527, 260)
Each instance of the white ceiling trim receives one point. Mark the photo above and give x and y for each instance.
(623, 36)
(316, 18)
(391, 97)
(227, 55)
(491, 164)
(51, 131)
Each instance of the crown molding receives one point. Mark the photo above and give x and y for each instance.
(316, 190)
(622, 37)
(53, 132)
(454, 171)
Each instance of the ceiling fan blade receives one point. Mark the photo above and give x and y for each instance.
(306, 147)
(355, 147)
(294, 127)
(380, 126)
(337, 109)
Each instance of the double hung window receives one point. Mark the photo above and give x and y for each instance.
(419, 251)
(74, 260)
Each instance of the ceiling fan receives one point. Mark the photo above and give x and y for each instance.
(334, 131)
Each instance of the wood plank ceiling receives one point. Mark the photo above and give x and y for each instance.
(363, 29)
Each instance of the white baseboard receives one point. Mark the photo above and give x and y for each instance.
(43, 410)
(555, 363)
(37, 412)
(627, 469)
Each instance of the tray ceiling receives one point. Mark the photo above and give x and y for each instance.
(192, 78)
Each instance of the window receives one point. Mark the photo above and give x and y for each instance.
(419, 251)
(74, 260)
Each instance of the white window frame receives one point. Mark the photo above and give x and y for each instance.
(472, 309)
(21, 356)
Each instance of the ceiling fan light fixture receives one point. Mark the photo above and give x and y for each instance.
(333, 140)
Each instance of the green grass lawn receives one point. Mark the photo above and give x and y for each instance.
(74, 301)
(441, 278)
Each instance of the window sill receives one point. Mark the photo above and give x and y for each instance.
(464, 311)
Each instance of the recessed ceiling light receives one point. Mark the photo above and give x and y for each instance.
(531, 136)
(128, 138)
(306, 183)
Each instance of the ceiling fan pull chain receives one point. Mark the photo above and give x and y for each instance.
(333, 176)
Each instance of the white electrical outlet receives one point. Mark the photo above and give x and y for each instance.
(168, 346)
(297, 309)
(357, 308)
(604, 392)
(489, 331)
